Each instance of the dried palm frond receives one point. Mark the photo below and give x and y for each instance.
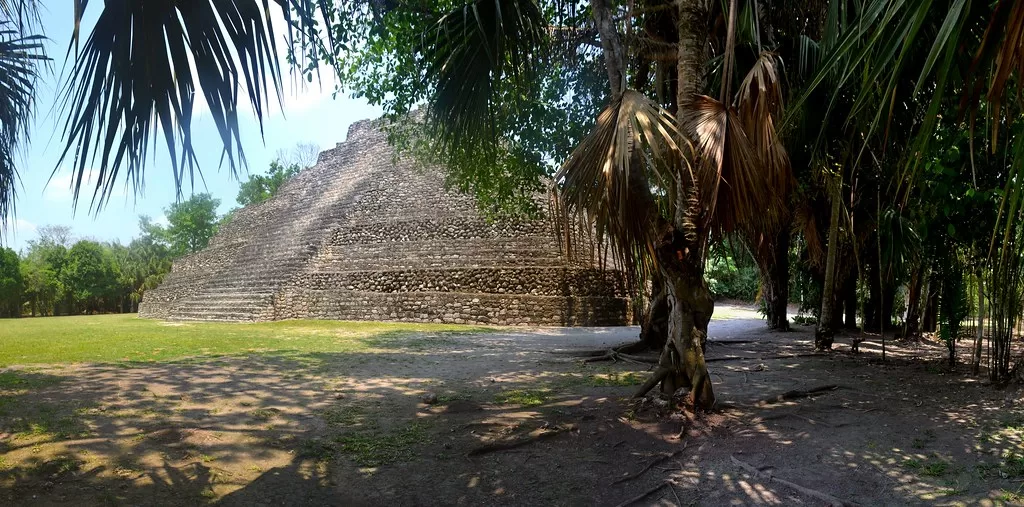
(611, 177)
(759, 104)
(733, 188)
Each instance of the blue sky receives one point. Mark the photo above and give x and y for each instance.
(310, 115)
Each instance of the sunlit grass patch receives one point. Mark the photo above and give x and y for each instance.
(523, 397)
(128, 340)
(377, 447)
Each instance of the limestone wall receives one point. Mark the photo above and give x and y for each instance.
(364, 235)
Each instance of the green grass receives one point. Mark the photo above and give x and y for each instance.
(127, 338)
(523, 397)
(375, 448)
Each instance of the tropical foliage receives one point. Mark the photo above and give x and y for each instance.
(875, 143)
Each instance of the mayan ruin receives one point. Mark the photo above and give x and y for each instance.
(366, 235)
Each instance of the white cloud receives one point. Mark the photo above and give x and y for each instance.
(162, 221)
(18, 232)
(59, 188)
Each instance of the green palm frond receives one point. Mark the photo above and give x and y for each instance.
(609, 177)
(20, 58)
(473, 54)
(138, 74)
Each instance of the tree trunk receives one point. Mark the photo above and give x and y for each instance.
(681, 364)
(654, 328)
(872, 308)
(931, 311)
(775, 283)
(912, 326)
(850, 302)
(614, 57)
(825, 333)
(980, 335)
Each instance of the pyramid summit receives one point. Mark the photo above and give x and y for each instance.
(367, 235)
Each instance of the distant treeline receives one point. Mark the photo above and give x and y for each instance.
(58, 274)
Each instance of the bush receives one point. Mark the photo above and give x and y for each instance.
(726, 280)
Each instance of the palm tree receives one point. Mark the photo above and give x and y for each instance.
(21, 55)
(657, 185)
(660, 175)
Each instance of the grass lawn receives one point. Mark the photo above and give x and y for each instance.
(125, 337)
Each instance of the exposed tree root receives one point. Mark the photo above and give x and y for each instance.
(656, 377)
(769, 478)
(650, 465)
(614, 356)
(645, 494)
(605, 354)
(798, 394)
(533, 436)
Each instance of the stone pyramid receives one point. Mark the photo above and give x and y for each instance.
(366, 235)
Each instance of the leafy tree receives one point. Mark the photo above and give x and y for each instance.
(11, 283)
(261, 187)
(45, 260)
(191, 223)
(90, 276)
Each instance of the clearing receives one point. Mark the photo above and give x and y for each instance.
(113, 410)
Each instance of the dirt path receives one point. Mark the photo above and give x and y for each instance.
(353, 429)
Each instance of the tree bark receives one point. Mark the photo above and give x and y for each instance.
(931, 311)
(611, 44)
(912, 326)
(775, 283)
(980, 335)
(691, 53)
(681, 364)
(825, 333)
(654, 328)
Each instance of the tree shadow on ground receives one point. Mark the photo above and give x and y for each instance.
(352, 429)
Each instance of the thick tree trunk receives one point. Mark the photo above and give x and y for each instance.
(681, 364)
(825, 333)
(775, 284)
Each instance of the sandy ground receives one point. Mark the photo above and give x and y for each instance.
(353, 429)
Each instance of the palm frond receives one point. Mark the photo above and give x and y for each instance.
(759, 104)
(473, 53)
(20, 58)
(733, 188)
(138, 74)
(609, 177)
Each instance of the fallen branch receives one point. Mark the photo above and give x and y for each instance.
(534, 436)
(759, 358)
(650, 465)
(646, 494)
(768, 478)
(798, 394)
(808, 419)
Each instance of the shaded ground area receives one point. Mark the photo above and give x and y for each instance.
(353, 428)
